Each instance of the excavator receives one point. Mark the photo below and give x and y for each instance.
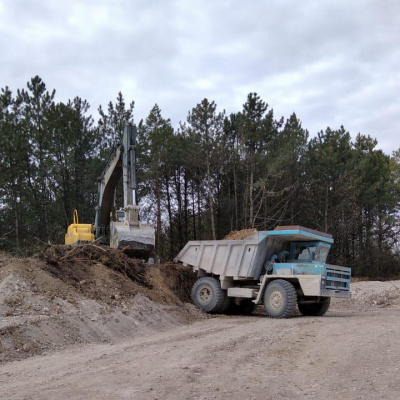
(122, 229)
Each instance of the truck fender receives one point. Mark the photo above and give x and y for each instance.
(267, 279)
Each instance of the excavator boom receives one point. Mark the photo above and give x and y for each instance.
(126, 232)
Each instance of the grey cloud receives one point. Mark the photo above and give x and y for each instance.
(332, 62)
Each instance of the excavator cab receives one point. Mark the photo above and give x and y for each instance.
(120, 215)
(78, 233)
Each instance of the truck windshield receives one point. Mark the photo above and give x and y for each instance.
(321, 253)
(310, 251)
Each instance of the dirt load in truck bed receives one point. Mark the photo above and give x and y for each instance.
(87, 294)
(240, 235)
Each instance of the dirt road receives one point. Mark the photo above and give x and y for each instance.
(348, 354)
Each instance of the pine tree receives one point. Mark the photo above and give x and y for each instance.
(154, 147)
(111, 124)
(205, 129)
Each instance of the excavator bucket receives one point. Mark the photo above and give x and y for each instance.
(135, 241)
(128, 234)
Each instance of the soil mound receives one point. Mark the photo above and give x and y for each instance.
(240, 235)
(369, 294)
(62, 256)
(170, 283)
(377, 293)
(87, 294)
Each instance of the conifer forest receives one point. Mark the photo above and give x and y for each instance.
(211, 174)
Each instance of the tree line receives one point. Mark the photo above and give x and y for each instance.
(212, 174)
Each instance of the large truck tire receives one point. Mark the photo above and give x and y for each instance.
(280, 299)
(208, 295)
(315, 309)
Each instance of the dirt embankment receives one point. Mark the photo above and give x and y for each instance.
(87, 294)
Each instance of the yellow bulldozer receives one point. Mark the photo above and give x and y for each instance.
(79, 233)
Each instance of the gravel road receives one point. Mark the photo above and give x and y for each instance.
(348, 354)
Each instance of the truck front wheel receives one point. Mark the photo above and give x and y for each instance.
(280, 299)
(315, 309)
(208, 295)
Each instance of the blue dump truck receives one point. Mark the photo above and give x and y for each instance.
(283, 269)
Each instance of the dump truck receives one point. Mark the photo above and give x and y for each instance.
(284, 269)
(121, 228)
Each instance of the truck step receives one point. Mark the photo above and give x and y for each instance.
(242, 292)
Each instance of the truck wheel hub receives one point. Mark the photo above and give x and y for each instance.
(205, 295)
(276, 300)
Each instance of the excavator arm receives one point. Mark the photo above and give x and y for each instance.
(126, 232)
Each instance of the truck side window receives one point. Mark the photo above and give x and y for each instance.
(313, 251)
(304, 255)
(301, 253)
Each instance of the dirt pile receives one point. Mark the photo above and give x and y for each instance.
(62, 256)
(87, 294)
(377, 293)
(170, 283)
(369, 295)
(240, 235)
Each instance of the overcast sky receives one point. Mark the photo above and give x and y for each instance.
(333, 62)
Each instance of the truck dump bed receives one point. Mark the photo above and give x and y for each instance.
(243, 259)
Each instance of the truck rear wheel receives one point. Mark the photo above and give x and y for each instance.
(280, 299)
(315, 309)
(208, 295)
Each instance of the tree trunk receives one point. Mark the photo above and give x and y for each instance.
(194, 212)
(186, 205)
(16, 226)
(179, 200)
(199, 216)
(158, 200)
(251, 200)
(210, 200)
(235, 200)
(169, 209)
(326, 209)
